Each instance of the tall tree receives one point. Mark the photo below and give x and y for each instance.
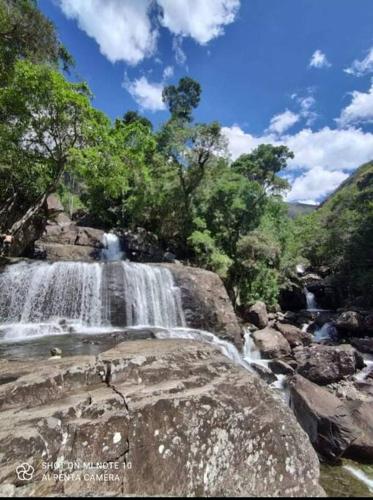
(42, 119)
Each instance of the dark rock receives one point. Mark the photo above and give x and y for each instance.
(143, 246)
(186, 420)
(264, 373)
(205, 302)
(280, 367)
(327, 364)
(257, 314)
(271, 343)
(350, 322)
(363, 345)
(362, 414)
(295, 336)
(292, 298)
(323, 416)
(56, 351)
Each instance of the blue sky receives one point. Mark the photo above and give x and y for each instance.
(295, 72)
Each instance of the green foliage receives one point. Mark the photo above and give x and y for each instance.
(25, 33)
(43, 118)
(340, 234)
(182, 99)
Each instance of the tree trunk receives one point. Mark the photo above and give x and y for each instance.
(20, 223)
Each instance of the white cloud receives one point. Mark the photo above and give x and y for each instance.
(168, 72)
(147, 95)
(283, 121)
(315, 184)
(319, 60)
(122, 28)
(360, 68)
(177, 47)
(360, 110)
(126, 30)
(201, 20)
(326, 150)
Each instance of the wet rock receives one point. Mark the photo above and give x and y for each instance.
(327, 364)
(257, 314)
(295, 336)
(264, 373)
(205, 302)
(323, 416)
(177, 417)
(271, 343)
(56, 351)
(280, 367)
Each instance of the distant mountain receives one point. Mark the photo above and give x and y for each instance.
(295, 209)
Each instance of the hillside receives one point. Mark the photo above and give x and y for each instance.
(295, 209)
(342, 235)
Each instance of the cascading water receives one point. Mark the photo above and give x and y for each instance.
(41, 298)
(327, 332)
(112, 250)
(311, 300)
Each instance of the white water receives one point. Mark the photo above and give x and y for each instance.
(112, 249)
(226, 348)
(40, 298)
(151, 298)
(359, 474)
(361, 376)
(327, 332)
(311, 300)
(251, 354)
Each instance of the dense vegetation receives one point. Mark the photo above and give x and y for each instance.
(177, 182)
(340, 235)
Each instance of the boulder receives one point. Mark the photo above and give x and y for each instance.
(362, 415)
(271, 343)
(280, 367)
(323, 416)
(168, 418)
(363, 345)
(324, 364)
(143, 246)
(67, 241)
(264, 373)
(257, 314)
(295, 336)
(53, 205)
(350, 322)
(205, 302)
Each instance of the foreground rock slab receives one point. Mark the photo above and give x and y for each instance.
(176, 417)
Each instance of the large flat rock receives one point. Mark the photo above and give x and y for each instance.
(176, 417)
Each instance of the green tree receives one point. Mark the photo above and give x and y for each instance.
(25, 33)
(182, 99)
(263, 165)
(43, 118)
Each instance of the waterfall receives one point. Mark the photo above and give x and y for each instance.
(327, 332)
(311, 300)
(41, 298)
(226, 348)
(112, 248)
(251, 355)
